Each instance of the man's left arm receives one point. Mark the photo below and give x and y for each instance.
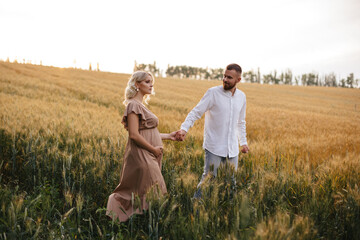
(242, 129)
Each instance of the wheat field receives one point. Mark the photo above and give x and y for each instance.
(62, 144)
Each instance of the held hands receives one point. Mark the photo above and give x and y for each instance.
(174, 136)
(178, 135)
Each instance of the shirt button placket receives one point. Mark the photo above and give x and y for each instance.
(229, 132)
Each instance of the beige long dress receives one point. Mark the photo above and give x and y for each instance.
(141, 169)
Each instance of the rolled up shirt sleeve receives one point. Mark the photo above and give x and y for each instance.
(198, 111)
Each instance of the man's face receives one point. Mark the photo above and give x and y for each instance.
(230, 79)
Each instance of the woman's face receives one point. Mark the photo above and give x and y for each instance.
(145, 86)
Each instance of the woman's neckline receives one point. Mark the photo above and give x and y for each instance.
(140, 103)
(136, 101)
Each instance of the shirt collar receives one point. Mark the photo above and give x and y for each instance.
(228, 92)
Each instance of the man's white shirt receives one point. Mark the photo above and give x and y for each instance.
(225, 125)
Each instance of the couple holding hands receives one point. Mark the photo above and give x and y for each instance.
(225, 129)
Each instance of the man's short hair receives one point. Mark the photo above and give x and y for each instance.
(235, 67)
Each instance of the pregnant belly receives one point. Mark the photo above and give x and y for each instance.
(152, 136)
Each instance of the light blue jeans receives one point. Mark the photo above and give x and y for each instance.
(215, 160)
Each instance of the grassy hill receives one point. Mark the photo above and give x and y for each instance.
(62, 144)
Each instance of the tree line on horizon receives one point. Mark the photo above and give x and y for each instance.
(283, 78)
(24, 61)
(252, 76)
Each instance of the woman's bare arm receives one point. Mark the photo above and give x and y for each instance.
(133, 128)
(168, 136)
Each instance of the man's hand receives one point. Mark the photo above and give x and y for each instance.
(180, 135)
(245, 149)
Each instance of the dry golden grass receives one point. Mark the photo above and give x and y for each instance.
(304, 163)
(281, 227)
(314, 124)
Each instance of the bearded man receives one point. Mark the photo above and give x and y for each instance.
(225, 125)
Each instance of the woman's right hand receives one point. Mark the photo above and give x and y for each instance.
(158, 151)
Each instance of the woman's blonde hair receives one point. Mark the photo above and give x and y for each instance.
(130, 90)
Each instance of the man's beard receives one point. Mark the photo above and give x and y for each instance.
(228, 86)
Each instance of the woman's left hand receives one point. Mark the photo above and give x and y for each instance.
(172, 136)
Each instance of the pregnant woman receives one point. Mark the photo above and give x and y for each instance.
(143, 153)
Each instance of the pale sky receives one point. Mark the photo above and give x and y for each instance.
(304, 35)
